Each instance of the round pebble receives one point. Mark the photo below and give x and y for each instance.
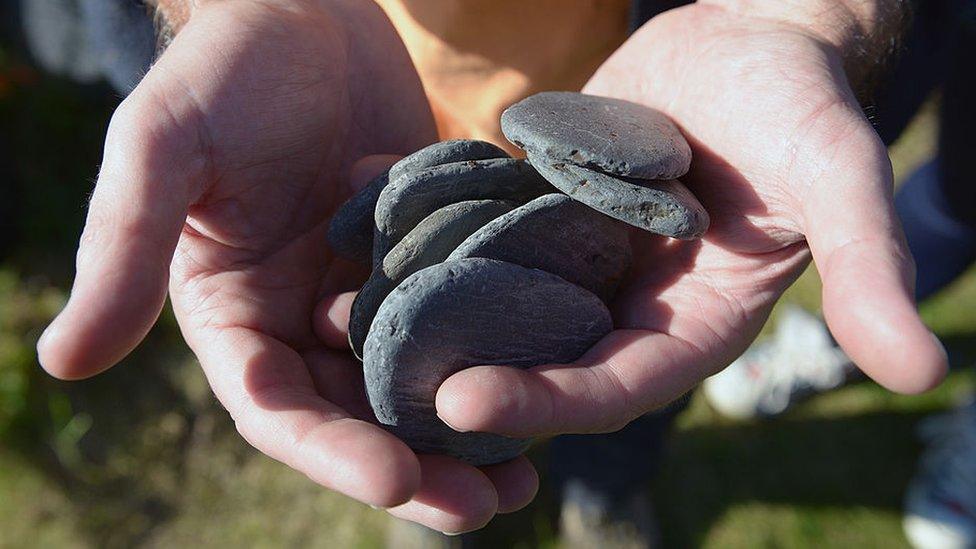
(414, 196)
(663, 207)
(600, 133)
(430, 242)
(464, 313)
(351, 229)
(558, 235)
(445, 152)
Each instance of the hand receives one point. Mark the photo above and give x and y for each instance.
(788, 167)
(220, 172)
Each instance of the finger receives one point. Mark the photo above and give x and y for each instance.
(610, 386)
(453, 497)
(332, 313)
(516, 483)
(267, 389)
(860, 252)
(151, 171)
(338, 378)
(331, 320)
(676, 326)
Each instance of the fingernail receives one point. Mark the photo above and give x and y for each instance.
(452, 534)
(448, 423)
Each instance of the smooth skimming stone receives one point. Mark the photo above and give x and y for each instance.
(663, 207)
(558, 235)
(351, 229)
(445, 152)
(601, 133)
(464, 313)
(415, 195)
(430, 242)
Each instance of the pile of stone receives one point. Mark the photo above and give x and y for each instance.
(479, 258)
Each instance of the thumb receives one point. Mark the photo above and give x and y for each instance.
(860, 252)
(152, 167)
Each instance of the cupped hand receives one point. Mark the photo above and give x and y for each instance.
(220, 172)
(788, 168)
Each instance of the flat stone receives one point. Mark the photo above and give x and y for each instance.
(601, 133)
(351, 229)
(464, 313)
(430, 242)
(662, 207)
(415, 195)
(558, 235)
(445, 152)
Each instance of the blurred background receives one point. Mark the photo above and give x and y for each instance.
(144, 455)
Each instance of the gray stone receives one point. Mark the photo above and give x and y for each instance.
(601, 133)
(663, 207)
(445, 152)
(430, 242)
(464, 313)
(558, 235)
(351, 230)
(415, 195)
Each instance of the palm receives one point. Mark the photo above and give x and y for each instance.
(277, 141)
(717, 292)
(221, 170)
(788, 168)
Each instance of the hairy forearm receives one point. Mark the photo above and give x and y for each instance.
(867, 33)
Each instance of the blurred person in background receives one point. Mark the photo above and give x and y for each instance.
(88, 41)
(260, 116)
(937, 208)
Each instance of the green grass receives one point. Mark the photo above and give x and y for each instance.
(144, 456)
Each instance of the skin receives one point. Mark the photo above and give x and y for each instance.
(789, 169)
(219, 176)
(216, 189)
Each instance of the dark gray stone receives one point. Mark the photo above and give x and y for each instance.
(415, 195)
(464, 313)
(558, 235)
(663, 207)
(601, 133)
(430, 242)
(445, 152)
(351, 229)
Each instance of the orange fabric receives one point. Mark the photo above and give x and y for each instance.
(476, 57)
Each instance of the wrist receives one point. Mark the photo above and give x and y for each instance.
(170, 16)
(865, 33)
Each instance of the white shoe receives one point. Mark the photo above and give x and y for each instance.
(940, 505)
(799, 359)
